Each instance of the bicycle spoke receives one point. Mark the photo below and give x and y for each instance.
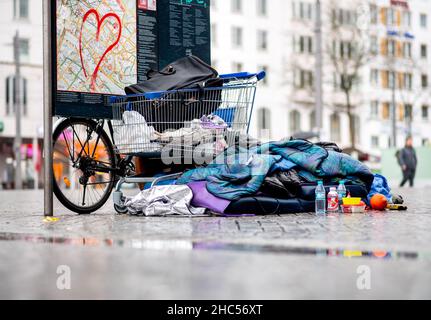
(72, 157)
(83, 196)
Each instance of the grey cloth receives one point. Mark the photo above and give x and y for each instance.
(164, 201)
(407, 157)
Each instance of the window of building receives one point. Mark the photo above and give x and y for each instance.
(407, 18)
(374, 77)
(305, 11)
(407, 50)
(391, 48)
(391, 17)
(375, 142)
(262, 7)
(236, 6)
(374, 109)
(386, 111)
(304, 44)
(391, 80)
(264, 68)
(294, 11)
(294, 122)
(24, 48)
(424, 51)
(357, 122)
(237, 37)
(304, 78)
(262, 40)
(11, 98)
(313, 123)
(21, 9)
(237, 67)
(408, 81)
(264, 119)
(344, 17)
(374, 15)
(401, 112)
(424, 81)
(425, 112)
(408, 112)
(384, 15)
(335, 127)
(423, 20)
(374, 45)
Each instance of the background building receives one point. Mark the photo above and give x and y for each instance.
(24, 16)
(279, 36)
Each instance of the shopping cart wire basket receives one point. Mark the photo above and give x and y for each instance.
(208, 118)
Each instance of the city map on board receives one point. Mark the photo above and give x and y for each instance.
(96, 45)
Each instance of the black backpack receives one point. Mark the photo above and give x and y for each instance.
(173, 109)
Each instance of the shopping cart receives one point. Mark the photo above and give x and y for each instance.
(174, 130)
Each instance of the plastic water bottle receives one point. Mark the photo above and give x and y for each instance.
(333, 200)
(342, 193)
(320, 198)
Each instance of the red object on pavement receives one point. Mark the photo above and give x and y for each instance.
(379, 202)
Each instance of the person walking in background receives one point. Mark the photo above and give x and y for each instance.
(408, 162)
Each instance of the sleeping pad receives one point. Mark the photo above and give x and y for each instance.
(304, 202)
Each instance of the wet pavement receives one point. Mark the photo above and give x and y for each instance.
(273, 257)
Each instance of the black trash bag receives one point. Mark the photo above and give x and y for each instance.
(283, 185)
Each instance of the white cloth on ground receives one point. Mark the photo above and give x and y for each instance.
(164, 201)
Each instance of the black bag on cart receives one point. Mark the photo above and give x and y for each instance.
(171, 110)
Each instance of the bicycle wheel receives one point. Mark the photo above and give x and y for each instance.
(83, 163)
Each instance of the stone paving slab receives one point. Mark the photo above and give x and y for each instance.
(113, 256)
(411, 230)
(30, 272)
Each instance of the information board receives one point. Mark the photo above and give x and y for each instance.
(103, 46)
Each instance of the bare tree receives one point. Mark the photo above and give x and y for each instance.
(348, 53)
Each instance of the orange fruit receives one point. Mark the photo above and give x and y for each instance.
(379, 202)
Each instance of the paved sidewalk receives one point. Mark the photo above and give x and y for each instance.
(280, 257)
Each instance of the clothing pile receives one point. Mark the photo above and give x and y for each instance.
(272, 178)
(207, 133)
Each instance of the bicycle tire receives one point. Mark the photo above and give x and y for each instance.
(110, 149)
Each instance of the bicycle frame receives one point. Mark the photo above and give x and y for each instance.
(121, 163)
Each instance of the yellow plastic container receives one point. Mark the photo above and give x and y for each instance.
(352, 201)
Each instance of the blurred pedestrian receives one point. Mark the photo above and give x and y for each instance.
(408, 162)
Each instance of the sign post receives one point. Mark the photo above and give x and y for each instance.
(47, 108)
(94, 49)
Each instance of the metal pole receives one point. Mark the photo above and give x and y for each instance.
(35, 160)
(319, 68)
(17, 95)
(47, 108)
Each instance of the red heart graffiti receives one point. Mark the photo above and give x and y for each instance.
(110, 47)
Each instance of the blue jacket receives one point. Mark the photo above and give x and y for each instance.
(241, 172)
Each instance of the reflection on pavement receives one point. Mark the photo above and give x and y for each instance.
(184, 245)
